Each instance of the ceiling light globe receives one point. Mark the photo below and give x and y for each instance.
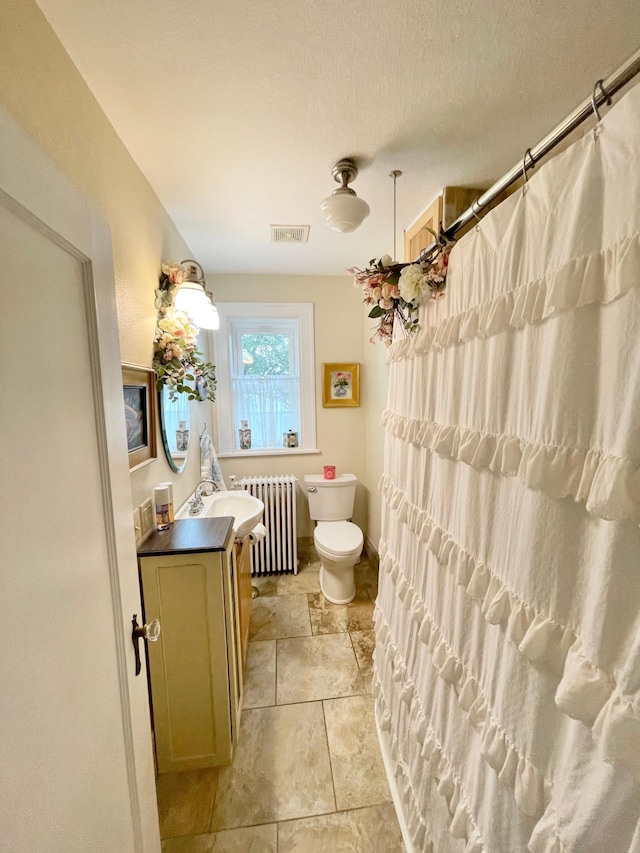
(344, 211)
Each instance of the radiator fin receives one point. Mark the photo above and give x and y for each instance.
(278, 551)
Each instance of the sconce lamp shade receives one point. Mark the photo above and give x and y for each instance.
(191, 299)
(343, 210)
(194, 300)
(209, 319)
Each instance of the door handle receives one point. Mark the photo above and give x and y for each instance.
(150, 632)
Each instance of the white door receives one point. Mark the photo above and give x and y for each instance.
(76, 771)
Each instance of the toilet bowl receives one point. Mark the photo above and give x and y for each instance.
(339, 545)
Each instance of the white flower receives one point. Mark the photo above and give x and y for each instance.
(411, 282)
(386, 261)
(177, 324)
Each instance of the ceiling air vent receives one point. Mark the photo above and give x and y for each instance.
(289, 233)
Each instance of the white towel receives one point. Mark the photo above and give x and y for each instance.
(209, 465)
(257, 534)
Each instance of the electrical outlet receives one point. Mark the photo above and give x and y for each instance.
(136, 523)
(146, 517)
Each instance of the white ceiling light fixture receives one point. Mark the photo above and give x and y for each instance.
(343, 210)
(194, 299)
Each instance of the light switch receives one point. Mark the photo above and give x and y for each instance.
(136, 523)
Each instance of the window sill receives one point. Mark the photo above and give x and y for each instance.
(274, 451)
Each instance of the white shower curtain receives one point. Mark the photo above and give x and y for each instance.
(508, 620)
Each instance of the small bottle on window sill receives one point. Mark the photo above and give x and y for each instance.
(244, 434)
(290, 439)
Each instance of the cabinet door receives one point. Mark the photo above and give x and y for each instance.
(417, 238)
(243, 558)
(189, 665)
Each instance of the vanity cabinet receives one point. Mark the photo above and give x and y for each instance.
(189, 582)
(242, 556)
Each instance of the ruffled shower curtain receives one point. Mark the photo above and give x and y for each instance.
(508, 620)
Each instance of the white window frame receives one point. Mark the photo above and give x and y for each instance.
(223, 344)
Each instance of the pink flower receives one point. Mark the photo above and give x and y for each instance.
(377, 280)
(376, 293)
(386, 304)
(387, 291)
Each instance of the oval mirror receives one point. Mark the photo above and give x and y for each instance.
(174, 422)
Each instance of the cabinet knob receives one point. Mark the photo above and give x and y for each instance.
(150, 631)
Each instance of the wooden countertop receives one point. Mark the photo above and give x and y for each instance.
(189, 535)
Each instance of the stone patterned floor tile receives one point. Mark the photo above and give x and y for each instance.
(185, 801)
(358, 772)
(307, 580)
(250, 839)
(265, 584)
(260, 674)
(281, 768)
(327, 618)
(321, 667)
(363, 645)
(189, 844)
(368, 830)
(366, 576)
(306, 550)
(276, 617)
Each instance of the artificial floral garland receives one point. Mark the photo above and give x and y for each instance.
(177, 361)
(396, 291)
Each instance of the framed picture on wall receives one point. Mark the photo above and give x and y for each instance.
(138, 388)
(340, 384)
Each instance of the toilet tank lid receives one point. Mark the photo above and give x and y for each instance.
(340, 480)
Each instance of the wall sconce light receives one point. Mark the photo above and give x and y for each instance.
(194, 299)
(343, 210)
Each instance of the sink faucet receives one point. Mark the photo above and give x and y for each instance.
(195, 504)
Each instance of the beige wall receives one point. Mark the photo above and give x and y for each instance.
(43, 90)
(338, 337)
(376, 372)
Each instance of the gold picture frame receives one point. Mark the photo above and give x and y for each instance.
(340, 384)
(139, 393)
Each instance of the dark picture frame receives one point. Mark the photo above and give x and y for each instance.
(139, 395)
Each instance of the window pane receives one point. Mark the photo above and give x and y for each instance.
(271, 405)
(266, 355)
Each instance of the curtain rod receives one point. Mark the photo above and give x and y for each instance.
(602, 92)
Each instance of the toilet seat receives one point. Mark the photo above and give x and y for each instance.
(338, 538)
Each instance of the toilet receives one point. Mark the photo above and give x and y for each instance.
(337, 540)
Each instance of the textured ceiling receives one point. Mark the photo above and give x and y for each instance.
(236, 111)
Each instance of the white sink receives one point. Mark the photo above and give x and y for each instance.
(245, 509)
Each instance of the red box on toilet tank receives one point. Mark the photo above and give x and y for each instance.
(329, 472)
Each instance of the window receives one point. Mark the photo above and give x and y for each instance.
(264, 365)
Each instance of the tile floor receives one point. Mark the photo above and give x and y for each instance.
(307, 775)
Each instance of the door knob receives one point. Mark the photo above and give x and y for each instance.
(150, 632)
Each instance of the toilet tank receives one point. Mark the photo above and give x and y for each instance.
(331, 500)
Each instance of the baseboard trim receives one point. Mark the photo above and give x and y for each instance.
(395, 793)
